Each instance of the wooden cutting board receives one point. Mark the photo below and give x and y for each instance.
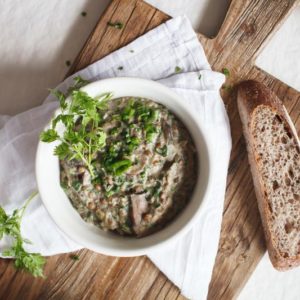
(247, 27)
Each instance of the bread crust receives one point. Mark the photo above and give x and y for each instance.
(252, 94)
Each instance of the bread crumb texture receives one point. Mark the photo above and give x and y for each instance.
(278, 158)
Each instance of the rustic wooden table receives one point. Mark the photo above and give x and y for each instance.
(247, 27)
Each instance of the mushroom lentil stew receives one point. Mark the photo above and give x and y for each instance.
(144, 176)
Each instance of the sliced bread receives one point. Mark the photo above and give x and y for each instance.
(274, 156)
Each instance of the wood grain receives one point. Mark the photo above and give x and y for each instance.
(247, 27)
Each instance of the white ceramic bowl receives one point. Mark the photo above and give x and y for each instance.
(91, 237)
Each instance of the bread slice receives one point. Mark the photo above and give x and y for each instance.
(274, 156)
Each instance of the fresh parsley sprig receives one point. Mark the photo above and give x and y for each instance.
(10, 225)
(81, 117)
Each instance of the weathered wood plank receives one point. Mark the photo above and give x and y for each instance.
(248, 25)
(246, 28)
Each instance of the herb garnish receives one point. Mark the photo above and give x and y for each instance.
(156, 189)
(76, 184)
(10, 225)
(163, 151)
(151, 132)
(226, 72)
(74, 257)
(82, 137)
(120, 68)
(68, 63)
(84, 13)
(199, 77)
(125, 141)
(117, 25)
(178, 69)
(120, 166)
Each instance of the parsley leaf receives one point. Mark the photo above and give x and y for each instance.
(78, 83)
(10, 225)
(226, 72)
(120, 166)
(60, 96)
(49, 136)
(74, 257)
(62, 150)
(117, 25)
(163, 151)
(102, 139)
(151, 132)
(178, 69)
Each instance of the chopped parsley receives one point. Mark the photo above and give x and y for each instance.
(163, 151)
(120, 166)
(120, 68)
(114, 131)
(200, 76)
(76, 184)
(63, 185)
(151, 132)
(178, 69)
(117, 25)
(156, 189)
(113, 189)
(226, 72)
(74, 257)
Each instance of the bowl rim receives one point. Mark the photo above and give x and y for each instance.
(160, 243)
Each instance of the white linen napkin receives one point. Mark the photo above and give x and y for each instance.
(189, 261)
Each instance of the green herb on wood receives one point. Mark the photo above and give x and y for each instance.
(226, 72)
(10, 225)
(74, 257)
(117, 25)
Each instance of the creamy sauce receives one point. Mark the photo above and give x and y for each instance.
(145, 175)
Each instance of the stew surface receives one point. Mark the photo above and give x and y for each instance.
(144, 176)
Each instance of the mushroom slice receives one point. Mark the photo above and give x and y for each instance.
(86, 178)
(139, 206)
